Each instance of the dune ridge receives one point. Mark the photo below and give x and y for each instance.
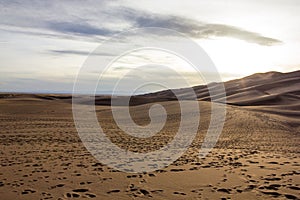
(273, 92)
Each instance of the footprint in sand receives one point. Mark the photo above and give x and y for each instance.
(271, 187)
(179, 193)
(28, 191)
(272, 179)
(289, 196)
(273, 162)
(224, 190)
(80, 190)
(72, 195)
(145, 192)
(90, 195)
(197, 190)
(136, 191)
(157, 191)
(83, 183)
(151, 175)
(134, 176)
(57, 186)
(271, 193)
(294, 187)
(113, 191)
(177, 170)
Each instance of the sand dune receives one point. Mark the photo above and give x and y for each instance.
(273, 92)
(256, 157)
(272, 88)
(261, 89)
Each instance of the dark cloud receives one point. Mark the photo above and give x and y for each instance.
(76, 52)
(72, 52)
(195, 28)
(89, 20)
(78, 28)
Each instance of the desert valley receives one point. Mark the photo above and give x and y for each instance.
(257, 155)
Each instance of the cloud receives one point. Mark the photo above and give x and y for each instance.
(89, 20)
(222, 30)
(76, 52)
(195, 28)
(78, 28)
(72, 52)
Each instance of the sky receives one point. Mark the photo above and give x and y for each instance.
(44, 44)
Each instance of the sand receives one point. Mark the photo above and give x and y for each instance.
(256, 157)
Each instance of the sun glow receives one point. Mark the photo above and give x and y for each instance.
(234, 57)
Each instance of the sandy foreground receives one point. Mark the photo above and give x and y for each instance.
(42, 157)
